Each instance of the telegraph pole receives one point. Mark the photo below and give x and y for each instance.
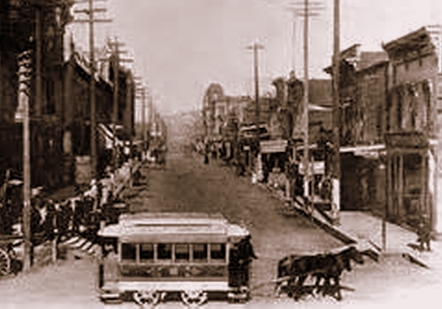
(92, 91)
(295, 14)
(143, 116)
(336, 170)
(116, 68)
(308, 10)
(93, 124)
(22, 115)
(115, 48)
(305, 105)
(140, 89)
(255, 47)
(38, 103)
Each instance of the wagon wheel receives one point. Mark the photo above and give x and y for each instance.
(5, 263)
(143, 298)
(194, 297)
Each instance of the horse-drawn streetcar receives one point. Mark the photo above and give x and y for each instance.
(162, 254)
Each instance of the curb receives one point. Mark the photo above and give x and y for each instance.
(334, 231)
(347, 239)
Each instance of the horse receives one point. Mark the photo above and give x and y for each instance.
(337, 263)
(325, 266)
(297, 268)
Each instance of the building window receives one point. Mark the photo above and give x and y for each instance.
(50, 95)
(200, 252)
(164, 251)
(128, 252)
(182, 252)
(146, 252)
(218, 251)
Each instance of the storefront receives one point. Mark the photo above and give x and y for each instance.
(409, 178)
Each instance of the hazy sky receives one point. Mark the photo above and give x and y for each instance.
(181, 46)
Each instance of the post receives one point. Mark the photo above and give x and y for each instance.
(24, 73)
(38, 105)
(258, 156)
(129, 109)
(388, 191)
(27, 188)
(92, 91)
(143, 120)
(294, 42)
(255, 66)
(336, 169)
(116, 67)
(305, 105)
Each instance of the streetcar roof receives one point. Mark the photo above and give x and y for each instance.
(165, 227)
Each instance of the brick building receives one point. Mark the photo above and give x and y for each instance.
(389, 149)
(44, 22)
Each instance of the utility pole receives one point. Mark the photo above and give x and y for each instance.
(130, 102)
(93, 121)
(116, 68)
(115, 48)
(38, 39)
(295, 14)
(143, 115)
(22, 115)
(140, 89)
(151, 124)
(305, 107)
(308, 10)
(255, 47)
(336, 170)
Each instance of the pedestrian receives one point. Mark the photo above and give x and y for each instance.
(206, 153)
(424, 235)
(49, 225)
(110, 268)
(78, 213)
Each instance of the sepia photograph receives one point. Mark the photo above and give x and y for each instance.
(220, 154)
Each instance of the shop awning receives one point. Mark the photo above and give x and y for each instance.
(108, 136)
(273, 146)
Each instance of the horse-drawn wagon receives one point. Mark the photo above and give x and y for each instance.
(8, 256)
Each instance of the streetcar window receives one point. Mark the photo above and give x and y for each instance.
(217, 251)
(199, 252)
(146, 252)
(128, 252)
(182, 252)
(164, 251)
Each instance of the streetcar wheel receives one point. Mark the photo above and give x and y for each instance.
(143, 298)
(194, 297)
(5, 263)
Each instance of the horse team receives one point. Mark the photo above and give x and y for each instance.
(293, 270)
